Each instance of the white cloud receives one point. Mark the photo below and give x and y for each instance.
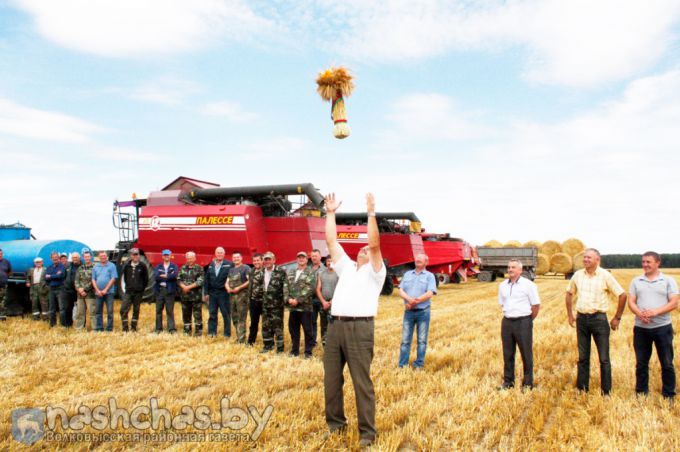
(607, 176)
(125, 28)
(276, 148)
(165, 90)
(27, 122)
(231, 111)
(577, 43)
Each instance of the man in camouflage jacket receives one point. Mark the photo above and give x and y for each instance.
(39, 289)
(298, 295)
(272, 282)
(190, 281)
(85, 302)
(255, 297)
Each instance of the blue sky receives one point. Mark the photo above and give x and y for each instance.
(491, 120)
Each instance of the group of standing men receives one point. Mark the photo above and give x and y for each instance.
(651, 297)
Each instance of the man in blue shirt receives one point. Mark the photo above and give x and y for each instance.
(54, 276)
(417, 288)
(104, 275)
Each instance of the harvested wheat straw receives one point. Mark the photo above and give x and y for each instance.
(560, 263)
(550, 247)
(513, 244)
(543, 264)
(572, 246)
(532, 244)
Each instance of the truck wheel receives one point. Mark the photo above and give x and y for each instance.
(388, 287)
(485, 276)
(528, 274)
(455, 278)
(441, 278)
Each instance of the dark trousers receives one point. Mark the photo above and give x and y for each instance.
(165, 299)
(595, 326)
(192, 307)
(71, 297)
(662, 339)
(255, 313)
(219, 300)
(130, 300)
(57, 302)
(298, 319)
(351, 343)
(517, 333)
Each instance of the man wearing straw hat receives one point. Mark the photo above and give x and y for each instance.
(592, 286)
(350, 334)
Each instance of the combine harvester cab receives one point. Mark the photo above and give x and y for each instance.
(193, 215)
(20, 247)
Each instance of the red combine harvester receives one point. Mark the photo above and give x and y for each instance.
(451, 259)
(192, 215)
(401, 239)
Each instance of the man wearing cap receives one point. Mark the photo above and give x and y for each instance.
(70, 293)
(54, 275)
(190, 282)
(135, 280)
(5, 272)
(165, 288)
(39, 291)
(237, 287)
(255, 297)
(298, 295)
(104, 276)
(272, 282)
(86, 297)
(350, 334)
(215, 292)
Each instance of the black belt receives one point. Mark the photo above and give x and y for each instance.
(513, 319)
(351, 319)
(593, 314)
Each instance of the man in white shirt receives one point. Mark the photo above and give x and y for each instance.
(519, 299)
(350, 335)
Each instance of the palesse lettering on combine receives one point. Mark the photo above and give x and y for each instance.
(348, 235)
(215, 220)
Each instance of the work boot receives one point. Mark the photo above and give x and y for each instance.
(199, 331)
(36, 316)
(187, 330)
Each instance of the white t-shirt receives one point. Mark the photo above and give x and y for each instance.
(518, 298)
(357, 292)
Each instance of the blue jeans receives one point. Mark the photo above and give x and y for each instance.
(662, 338)
(420, 320)
(108, 299)
(219, 300)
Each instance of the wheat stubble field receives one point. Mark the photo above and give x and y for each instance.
(452, 405)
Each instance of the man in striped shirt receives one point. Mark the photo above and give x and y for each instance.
(592, 287)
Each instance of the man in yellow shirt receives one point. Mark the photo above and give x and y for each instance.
(592, 287)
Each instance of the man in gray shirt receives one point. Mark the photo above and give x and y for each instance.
(326, 279)
(652, 298)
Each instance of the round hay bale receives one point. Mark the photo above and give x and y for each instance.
(550, 247)
(532, 244)
(560, 263)
(543, 265)
(513, 244)
(572, 246)
(578, 261)
(493, 244)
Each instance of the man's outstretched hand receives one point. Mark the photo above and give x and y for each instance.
(370, 203)
(331, 203)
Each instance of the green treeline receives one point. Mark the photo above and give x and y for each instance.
(633, 260)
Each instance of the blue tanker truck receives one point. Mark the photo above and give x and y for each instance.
(20, 247)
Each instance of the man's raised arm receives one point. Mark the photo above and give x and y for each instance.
(374, 254)
(331, 230)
